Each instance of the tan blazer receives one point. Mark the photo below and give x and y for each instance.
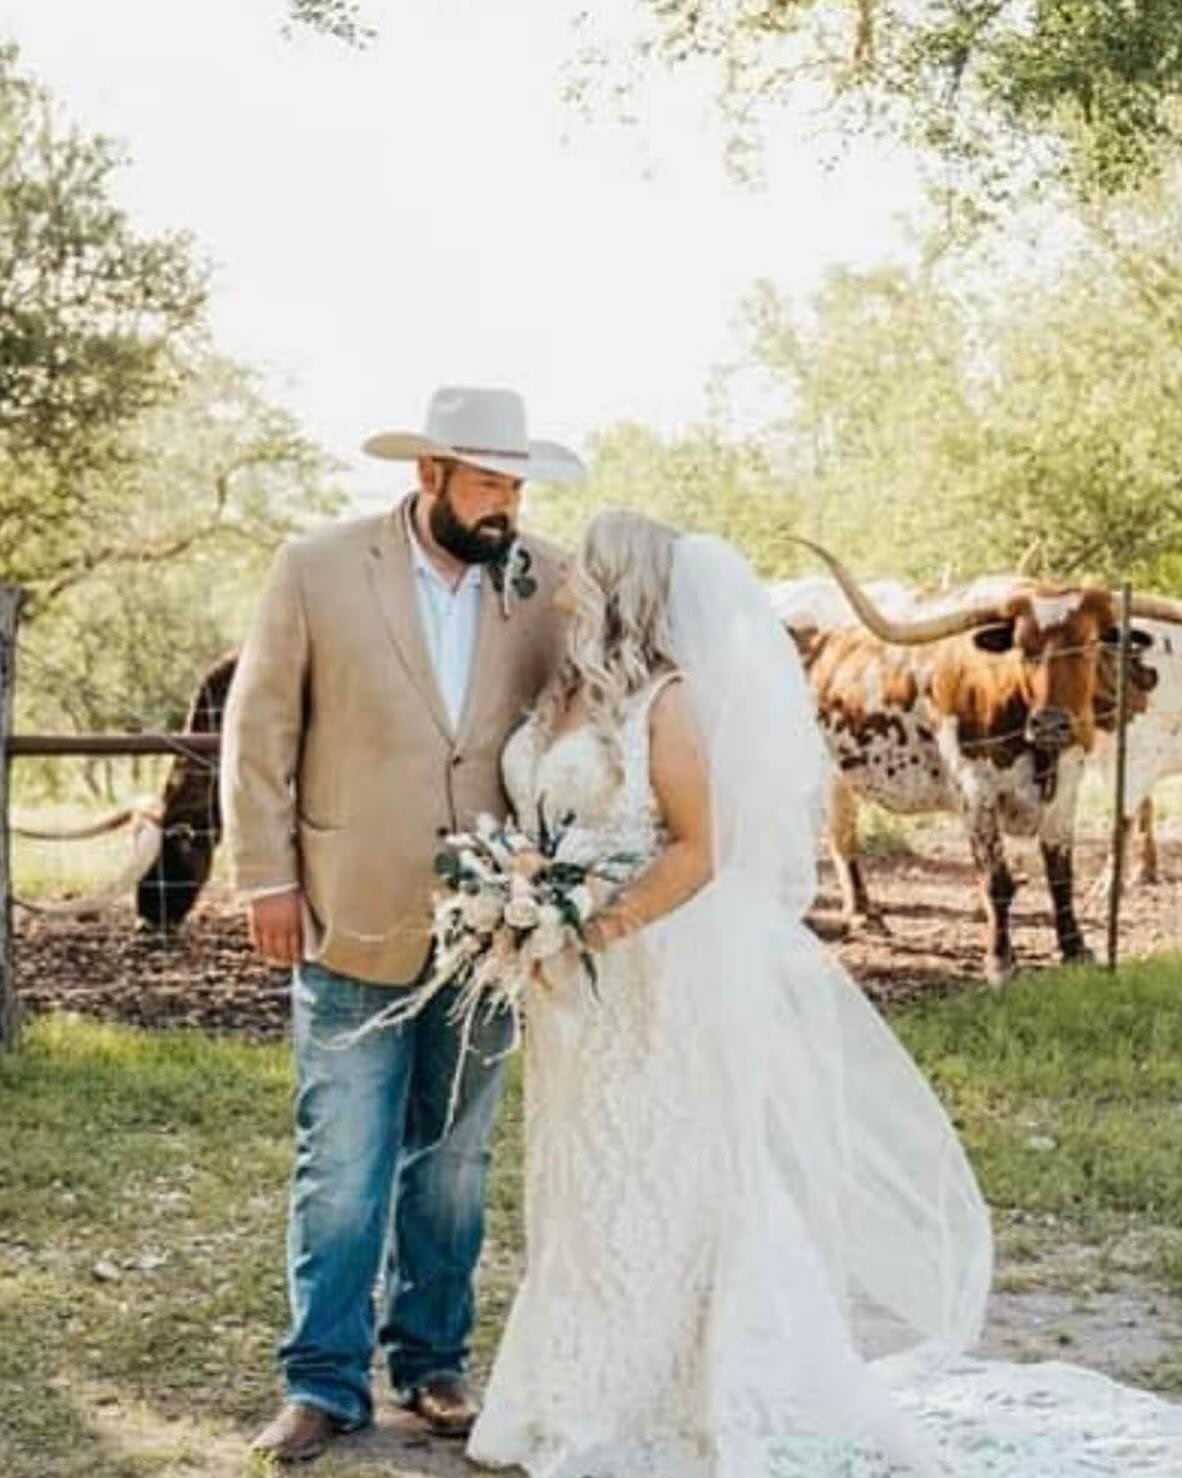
(339, 766)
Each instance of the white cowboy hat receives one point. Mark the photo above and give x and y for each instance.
(485, 428)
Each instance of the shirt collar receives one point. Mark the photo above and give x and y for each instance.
(425, 570)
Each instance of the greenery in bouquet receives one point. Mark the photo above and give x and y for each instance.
(510, 901)
(506, 904)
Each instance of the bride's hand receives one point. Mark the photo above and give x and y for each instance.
(554, 969)
(602, 895)
(604, 929)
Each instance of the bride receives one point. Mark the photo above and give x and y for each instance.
(755, 1248)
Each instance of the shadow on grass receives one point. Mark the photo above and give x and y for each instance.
(143, 1189)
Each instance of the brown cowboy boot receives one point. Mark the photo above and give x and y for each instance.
(445, 1404)
(298, 1434)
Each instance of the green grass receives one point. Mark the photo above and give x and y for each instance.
(1067, 1089)
(124, 1148)
(882, 833)
(1095, 803)
(165, 1155)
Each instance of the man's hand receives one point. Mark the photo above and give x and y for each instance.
(276, 927)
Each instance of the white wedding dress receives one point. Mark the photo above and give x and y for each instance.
(755, 1248)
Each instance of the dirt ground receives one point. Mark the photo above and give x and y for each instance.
(205, 975)
(1058, 1306)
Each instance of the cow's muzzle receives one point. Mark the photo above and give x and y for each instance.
(1050, 728)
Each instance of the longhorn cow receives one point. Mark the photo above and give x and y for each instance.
(191, 819)
(1155, 743)
(987, 706)
(173, 839)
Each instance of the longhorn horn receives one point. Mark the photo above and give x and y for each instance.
(146, 806)
(904, 633)
(1157, 608)
(147, 837)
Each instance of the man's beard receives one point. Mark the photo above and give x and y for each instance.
(482, 543)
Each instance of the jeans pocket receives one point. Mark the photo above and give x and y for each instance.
(327, 1000)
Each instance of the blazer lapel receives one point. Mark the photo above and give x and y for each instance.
(391, 574)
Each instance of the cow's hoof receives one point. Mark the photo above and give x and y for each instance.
(860, 924)
(1148, 878)
(1082, 956)
(998, 970)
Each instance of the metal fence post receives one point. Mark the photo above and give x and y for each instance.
(1122, 746)
(10, 605)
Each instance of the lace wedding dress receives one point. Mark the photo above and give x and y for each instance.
(693, 1306)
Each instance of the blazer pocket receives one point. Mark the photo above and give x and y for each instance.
(319, 854)
(308, 827)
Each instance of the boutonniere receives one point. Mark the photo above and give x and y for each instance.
(511, 576)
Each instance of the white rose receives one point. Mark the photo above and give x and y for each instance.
(549, 938)
(521, 912)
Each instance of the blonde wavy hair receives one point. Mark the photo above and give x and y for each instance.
(618, 638)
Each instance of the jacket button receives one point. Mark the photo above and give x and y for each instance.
(457, 759)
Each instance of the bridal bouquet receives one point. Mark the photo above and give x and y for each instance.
(506, 902)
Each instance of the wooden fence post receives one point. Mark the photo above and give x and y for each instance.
(1122, 747)
(10, 605)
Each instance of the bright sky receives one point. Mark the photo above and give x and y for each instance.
(386, 221)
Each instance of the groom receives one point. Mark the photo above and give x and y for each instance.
(389, 661)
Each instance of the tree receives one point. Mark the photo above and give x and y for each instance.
(1093, 86)
(218, 466)
(999, 92)
(878, 430)
(94, 320)
(339, 18)
(934, 435)
(136, 613)
(1084, 446)
(145, 480)
(703, 481)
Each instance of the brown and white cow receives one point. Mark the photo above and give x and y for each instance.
(1154, 748)
(984, 707)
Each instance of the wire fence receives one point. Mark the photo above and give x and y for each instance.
(86, 865)
(136, 859)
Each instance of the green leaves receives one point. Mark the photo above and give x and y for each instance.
(87, 306)
(341, 19)
(93, 317)
(936, 433)
(127, 445)
(704, 480)
(999, 92)
(154, 571)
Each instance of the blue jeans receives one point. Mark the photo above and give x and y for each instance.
(375, 1178)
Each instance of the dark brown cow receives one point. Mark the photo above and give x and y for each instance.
(192, 819)
(989, 709)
